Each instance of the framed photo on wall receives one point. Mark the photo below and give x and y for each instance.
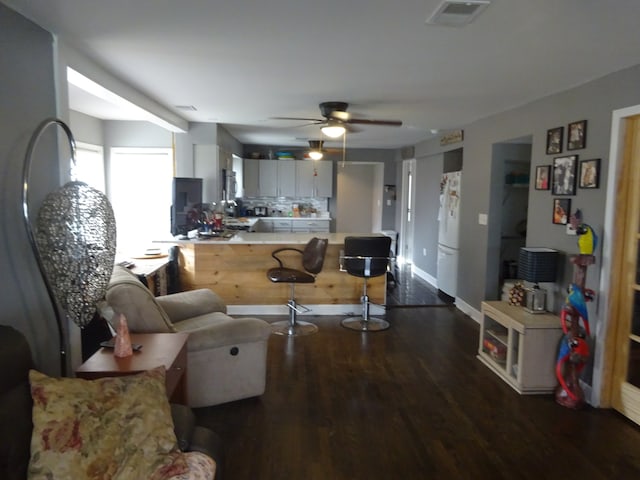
(561, 210)
(564, 175)
(543, 172)
(589, 173)
(577, 135)
(554, 140)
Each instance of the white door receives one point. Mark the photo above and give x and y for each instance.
(625, 292)
(405, 249)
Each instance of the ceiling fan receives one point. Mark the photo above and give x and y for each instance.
(337, 120)
(316, 149)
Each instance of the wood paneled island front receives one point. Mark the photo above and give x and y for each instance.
(236, 269)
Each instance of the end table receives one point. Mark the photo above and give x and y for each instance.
(168, 349)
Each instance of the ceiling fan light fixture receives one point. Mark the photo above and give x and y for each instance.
(333, 129)
(315, 155)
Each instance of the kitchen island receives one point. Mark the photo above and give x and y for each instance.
(235, 268)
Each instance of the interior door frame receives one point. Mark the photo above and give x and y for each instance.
(605, 342)
(407, 205)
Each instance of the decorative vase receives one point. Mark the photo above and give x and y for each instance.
(123, 339)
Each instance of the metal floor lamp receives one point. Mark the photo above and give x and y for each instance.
(74, 243)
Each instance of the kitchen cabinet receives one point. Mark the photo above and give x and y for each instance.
(281, 225)
(520, 347)
(277, 178)
(310, 225)
(287, 178)
(274, 225)
(293, 225)
(314, 178)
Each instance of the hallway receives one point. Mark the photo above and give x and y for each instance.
(412, 291)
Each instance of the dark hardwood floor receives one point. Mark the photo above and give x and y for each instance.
(411, 402)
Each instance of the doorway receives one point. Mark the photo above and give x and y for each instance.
(405, 249)
(511, 164)
(359, 197)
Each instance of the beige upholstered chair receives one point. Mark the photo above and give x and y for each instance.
(227, 356)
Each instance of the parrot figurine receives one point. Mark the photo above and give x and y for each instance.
(577, 300)
(574, 350)
(587, 239)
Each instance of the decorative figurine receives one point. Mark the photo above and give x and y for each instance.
(123, 339)
(574, 349)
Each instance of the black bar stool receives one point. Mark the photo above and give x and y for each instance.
(366, 257)
(312, 261)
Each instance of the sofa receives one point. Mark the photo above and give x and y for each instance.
(226, 356)
(17, 423)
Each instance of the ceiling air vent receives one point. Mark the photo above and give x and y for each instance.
(457, 13)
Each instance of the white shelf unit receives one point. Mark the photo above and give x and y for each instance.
(520, 347)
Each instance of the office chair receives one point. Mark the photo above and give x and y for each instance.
(312, 262)
(366, 257)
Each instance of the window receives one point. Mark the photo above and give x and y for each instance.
(140, 193)
(90, 165)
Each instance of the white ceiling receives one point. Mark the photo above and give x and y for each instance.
(240, 62)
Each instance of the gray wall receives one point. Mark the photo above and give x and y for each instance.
(593, 102)
(86, 128)
(27, 97)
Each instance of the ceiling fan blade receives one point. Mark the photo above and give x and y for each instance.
(351, 128)
(316, 120)
(362, 121)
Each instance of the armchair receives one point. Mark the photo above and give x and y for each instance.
(226, 356)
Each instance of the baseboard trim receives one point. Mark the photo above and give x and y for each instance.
(424, 276)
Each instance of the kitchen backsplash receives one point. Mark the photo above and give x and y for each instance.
(285, 207)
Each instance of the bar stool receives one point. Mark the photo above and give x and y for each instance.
(312, 262)
(366, 257)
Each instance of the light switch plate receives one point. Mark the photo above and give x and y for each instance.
(483, 218)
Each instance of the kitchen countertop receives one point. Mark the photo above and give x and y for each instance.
(256, 238)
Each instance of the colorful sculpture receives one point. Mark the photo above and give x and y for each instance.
(574, 348)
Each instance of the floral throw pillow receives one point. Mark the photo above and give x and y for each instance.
(110, 428)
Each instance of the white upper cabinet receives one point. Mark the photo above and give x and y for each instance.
(287, 178)
(324, 179)
(268, 178)
(277, 178)
(251, 178)
(314, 178)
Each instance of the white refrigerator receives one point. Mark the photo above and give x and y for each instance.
(448, 232)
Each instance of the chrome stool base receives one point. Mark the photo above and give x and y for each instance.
(294, 327)
(365, 325)
(299, 329)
